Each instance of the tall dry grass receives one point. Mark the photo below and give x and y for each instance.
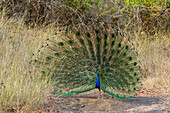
(154, 55)
(157, 60)
(20, 89)
(24, 91)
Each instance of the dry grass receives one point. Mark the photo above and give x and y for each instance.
(154, 55)
(19, 90)
(23, 91)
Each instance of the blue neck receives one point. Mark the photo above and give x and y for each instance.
(97, 82)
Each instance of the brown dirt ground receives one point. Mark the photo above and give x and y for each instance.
(145, 102)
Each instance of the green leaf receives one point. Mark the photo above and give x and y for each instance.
(99, 5)
(88, 5)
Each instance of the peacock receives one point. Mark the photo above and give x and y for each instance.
(90, 57)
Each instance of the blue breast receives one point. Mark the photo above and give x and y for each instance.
(97, 82)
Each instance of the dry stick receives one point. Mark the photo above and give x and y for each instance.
(39, 3)
(161, 13)
(52, 6)
(137, 14)
(120, 33)
(118, 7)
(46, 4)
(75, 13)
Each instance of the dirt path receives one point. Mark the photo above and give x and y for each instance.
(78, 104)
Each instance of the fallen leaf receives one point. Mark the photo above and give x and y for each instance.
(39, 111)
(163, 109)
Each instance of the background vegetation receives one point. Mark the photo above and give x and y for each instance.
(25, 24)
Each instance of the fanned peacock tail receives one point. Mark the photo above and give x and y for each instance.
(74, 63)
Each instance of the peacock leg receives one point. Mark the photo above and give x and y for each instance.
(99, 94)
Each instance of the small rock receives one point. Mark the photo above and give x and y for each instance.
(39, 111)
(163, 109)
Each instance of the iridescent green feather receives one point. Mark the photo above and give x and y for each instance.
(71, 65)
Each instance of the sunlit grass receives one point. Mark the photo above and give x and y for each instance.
(154, 53)
(20, 89)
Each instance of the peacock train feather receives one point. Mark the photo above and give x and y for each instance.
(89, 58)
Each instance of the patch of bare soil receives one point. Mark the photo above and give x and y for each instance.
(145, 102)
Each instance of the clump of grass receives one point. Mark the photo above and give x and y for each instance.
(154, 53)
(20, 90)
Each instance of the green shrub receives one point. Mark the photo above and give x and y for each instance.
(147, 2)
(82, 4)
